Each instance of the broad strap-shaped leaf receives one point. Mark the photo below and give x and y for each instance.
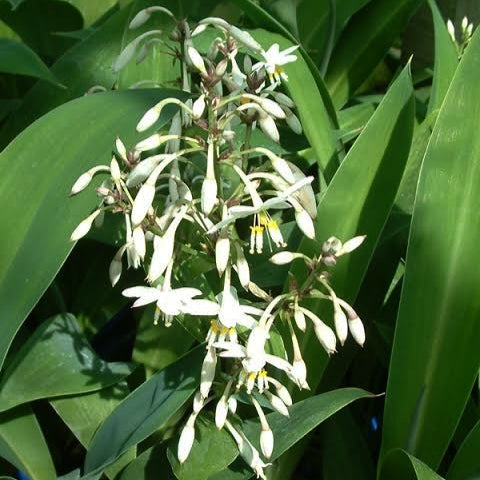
(465, 463)
(401, 465)
(147, 465)
(44, 161)
(363, 43)
(57, 360)
(83, 414)
(89, 64)
(23, 445)
(145, 410)
(358, 201)
(18, 58)
(304, 417)
(446, 59)
(436, 338)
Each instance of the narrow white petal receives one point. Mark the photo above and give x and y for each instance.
(208, 372)
(84, 226)
(142, 203)
(187, 437)
(351, 244)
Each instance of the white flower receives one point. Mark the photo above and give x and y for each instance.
(172, 301)
(274, 59)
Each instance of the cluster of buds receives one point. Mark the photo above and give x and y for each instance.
(197, 183)
(466, 31)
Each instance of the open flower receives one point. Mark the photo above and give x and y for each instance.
(172, 302)
(274, 59)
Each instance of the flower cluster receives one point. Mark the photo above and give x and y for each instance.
(197, 183)
(464, 36)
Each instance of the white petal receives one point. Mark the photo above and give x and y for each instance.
(341, 324)
(187, 437)
(142, 203)
(357, 330)
(305, 223)
(196, 59)
(138, 237)
(351, 244)
(84, 226)
(149, 294)
(222, 252)
(208, 372)
(162, 254)
(266, 442)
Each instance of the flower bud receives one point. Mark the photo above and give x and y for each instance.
(341, 324)
(196, 59)
(357, 330)
(208, 372)
(351, 245)
(221, 412)
(268, 126)
(198, 107)
(283, 258)
(222, 251)
(187, 437)
(331, 246)
(266, 442)
(84, 226)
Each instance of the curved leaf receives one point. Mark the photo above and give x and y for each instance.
(363, 43)
(23, 445)
(400, 465)
(304, 417)
(465, 464)
(44, 161)
(56, 360)
(446, 59)
(436, 339)
(145, 410)
(16, 57)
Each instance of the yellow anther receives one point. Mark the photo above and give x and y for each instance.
(252, 376)
(262, 373)
(231, 331)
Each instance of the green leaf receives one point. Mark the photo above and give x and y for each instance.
(93, 11)
(436, 339)
(408, 186)
(213, 450)
(147, 465)
(55, 16)
(145, 410)
(23, 445)
(446, 59)
(157, 347)
(44, 161)
(400, 465)
(314, 17)
(56, 360)
(363, 43)
(85, 65)
(465, 464)
(304, 417)
(17, 58)
(345, 452)
(310, 107)
(83, 414)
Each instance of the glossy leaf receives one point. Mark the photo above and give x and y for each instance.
(87, 64)
(446, 59)
(400, 465)
(57, 360)
(363, 43)
(304, 417)
(213, 450)
(45, 222)
(437, 325)
(83, 414)
(145, 410)
(147, 465)
(17, 58)
(23, 445)
(465, 464)
(55, 15)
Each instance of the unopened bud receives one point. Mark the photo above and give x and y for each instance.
(84, 226)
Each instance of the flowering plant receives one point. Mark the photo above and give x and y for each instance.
(195, 183)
